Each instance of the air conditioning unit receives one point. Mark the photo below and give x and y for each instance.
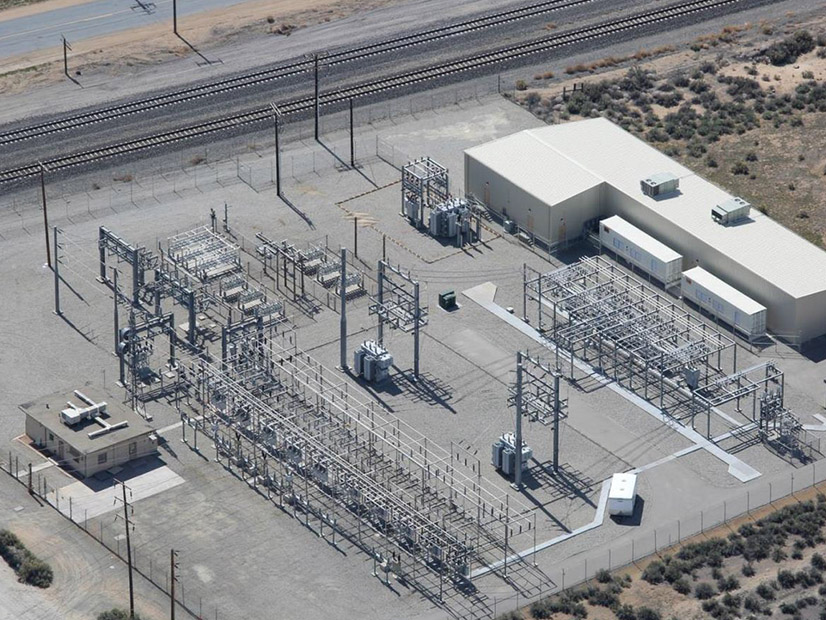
(660, 184)
(730, 211)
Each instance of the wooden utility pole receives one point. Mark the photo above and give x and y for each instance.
(66, 48)
(172, 566)
(127, 506)
(45, 212)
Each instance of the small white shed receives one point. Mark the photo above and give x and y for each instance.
(622, 494)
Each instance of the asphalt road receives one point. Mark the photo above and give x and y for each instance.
(92, 19)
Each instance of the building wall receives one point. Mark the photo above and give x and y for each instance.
(87, 464)
(559, 222)
(118, 454)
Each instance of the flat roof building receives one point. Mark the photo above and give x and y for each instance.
(555, 181)
(88, 431)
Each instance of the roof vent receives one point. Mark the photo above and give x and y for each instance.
(731, 211)
(660, 184)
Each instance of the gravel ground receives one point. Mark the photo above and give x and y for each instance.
(237, 536)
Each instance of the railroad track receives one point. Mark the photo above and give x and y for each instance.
(477, 61)
(285, 71)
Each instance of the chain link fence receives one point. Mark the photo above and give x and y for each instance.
(579, 569)
(110, 532)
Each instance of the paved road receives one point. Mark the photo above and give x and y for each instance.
(101, 17)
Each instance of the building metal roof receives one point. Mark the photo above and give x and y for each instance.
(535, 168)
(606, 152)
(641, 239)
(46, 411)
(715, 285)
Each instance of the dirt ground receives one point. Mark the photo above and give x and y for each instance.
(151, 45)
(670, 604)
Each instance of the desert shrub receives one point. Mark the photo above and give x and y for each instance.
(818, 561)
(29, 568)
(654, 572)
(728, 584)
(788, 608)
(122, 614)
(797, 554)
(752, 603)
(787, 51)
(739, 168)
(765, 591)
(748, 570)
(808, 75)
(532, 98)
(521, 85)
(712, 163)
(682, 586)
(646, 613)
(625, 612)
(603, 598)
(704, 590)
(786, 579)
(511, 615)
(751, 156)
(603, 576)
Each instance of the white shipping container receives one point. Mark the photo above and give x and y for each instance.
(724, 301)
(622, 495)
(641, 250)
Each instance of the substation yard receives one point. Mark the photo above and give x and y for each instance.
(298, 487)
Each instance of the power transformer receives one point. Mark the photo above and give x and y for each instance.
(372, 361)
(503, 454)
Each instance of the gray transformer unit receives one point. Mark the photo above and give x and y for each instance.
(372, 361)
(503, 454)
(660, 184)
(450, 218)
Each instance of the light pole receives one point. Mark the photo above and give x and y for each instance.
(276, 117)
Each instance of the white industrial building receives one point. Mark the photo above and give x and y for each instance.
(555, 181)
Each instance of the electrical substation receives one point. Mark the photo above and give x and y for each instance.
(547, 353)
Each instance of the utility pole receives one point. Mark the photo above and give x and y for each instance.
(352, 141)
(557, 375)
(416, 317)
(356, 237)
(315, 65)
(66, 48)
(276, 118)
(343, 322)
(517, 475)
(45, 212)
(173, 555)
(127, 506)
(56, 271)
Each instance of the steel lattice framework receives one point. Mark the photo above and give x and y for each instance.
(292, 426)
(594, 305)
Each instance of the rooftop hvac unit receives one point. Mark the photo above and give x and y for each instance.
(660, 184)
(74, 414)
(509, 226)
(731, 211)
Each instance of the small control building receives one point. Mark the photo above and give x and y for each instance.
(87, 431)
